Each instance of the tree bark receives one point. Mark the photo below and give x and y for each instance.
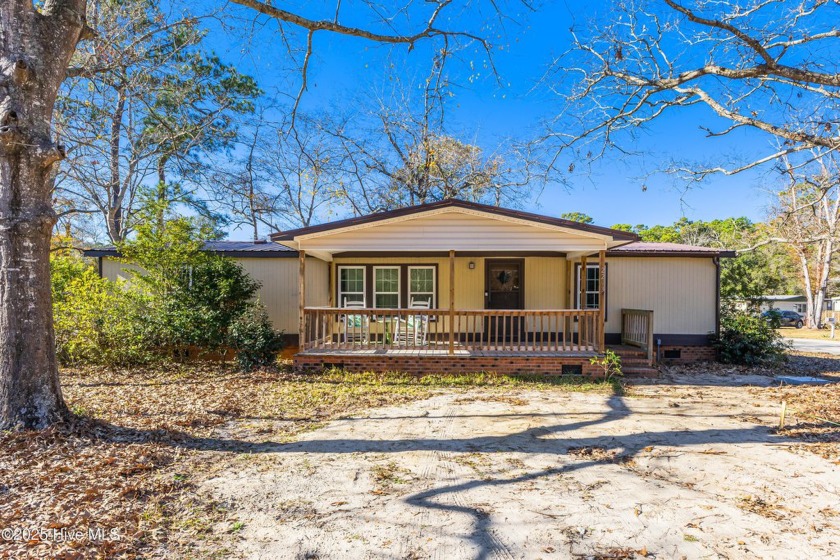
(809, 294)
(115, 192)
(35, 49)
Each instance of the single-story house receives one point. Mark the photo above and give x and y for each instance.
(796, 303)
(459, 286)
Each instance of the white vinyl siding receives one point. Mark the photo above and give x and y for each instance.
(455, 230)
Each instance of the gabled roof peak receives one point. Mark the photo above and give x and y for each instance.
(454, 204)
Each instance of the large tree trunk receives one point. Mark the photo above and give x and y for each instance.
(35, 48)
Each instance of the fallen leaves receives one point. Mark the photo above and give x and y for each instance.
(131, 463)
(760, 506)
(816, 414)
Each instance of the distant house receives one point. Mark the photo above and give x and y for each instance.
(457, 286)
(795, 303)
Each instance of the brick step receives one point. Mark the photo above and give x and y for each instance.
(628, 351)
(635, 362)
(638, 371)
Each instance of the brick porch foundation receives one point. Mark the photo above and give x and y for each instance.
(501, 364)
(687, 354)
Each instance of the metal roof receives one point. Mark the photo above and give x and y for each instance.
(647, 248)
(256, 249)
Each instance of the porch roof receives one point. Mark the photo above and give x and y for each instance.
(454, 225)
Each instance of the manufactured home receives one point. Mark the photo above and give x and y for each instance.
(456, 286)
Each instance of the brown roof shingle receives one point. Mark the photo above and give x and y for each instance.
(648, 248)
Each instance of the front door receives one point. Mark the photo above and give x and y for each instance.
(504, 288)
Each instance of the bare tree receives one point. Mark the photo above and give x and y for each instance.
(278, 178)
(38, 41)
(807, 220)
(766, 65)
(400, 153)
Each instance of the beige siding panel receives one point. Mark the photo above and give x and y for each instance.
(279, 291)
(461, 232)
(114, 270)
(545, 282)
(545, 286)
(279, 285)
(680, 291)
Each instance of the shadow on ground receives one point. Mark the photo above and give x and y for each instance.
(538, 440)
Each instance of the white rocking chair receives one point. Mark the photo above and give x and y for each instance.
(414, 329)
(356, 327)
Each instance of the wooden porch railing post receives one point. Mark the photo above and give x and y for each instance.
(650, 338)
(451, 302)
(582, 303)
(301, 299)
(602, 281)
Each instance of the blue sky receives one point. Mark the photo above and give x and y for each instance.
(486, 113)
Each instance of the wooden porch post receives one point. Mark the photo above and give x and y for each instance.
(582, 303)
(602, 290)
(451, 302)
(301, 299)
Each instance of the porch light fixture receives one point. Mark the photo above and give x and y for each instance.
(472, 265)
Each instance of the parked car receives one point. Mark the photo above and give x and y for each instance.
(784, 318)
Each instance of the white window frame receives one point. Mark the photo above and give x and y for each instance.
(597, 292)
(433, 303)
(341, 295)
(399, 284)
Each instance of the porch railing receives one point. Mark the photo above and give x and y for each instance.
(637, 329)
(448, 331)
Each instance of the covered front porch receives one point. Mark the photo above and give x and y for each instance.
(458, 285)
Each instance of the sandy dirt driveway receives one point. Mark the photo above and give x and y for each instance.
(673, 471)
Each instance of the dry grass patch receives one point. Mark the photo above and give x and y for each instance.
(813, 416)
(813, 334)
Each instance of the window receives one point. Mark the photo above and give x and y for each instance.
(800, 307)
(351, 284)
(386, 287)
(421, 284)
(593, 288)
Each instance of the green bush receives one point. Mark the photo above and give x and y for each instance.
(199, 304)
(96, 321)
(748, 339)
(193, 295)
(254, 339)
(178, 298)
